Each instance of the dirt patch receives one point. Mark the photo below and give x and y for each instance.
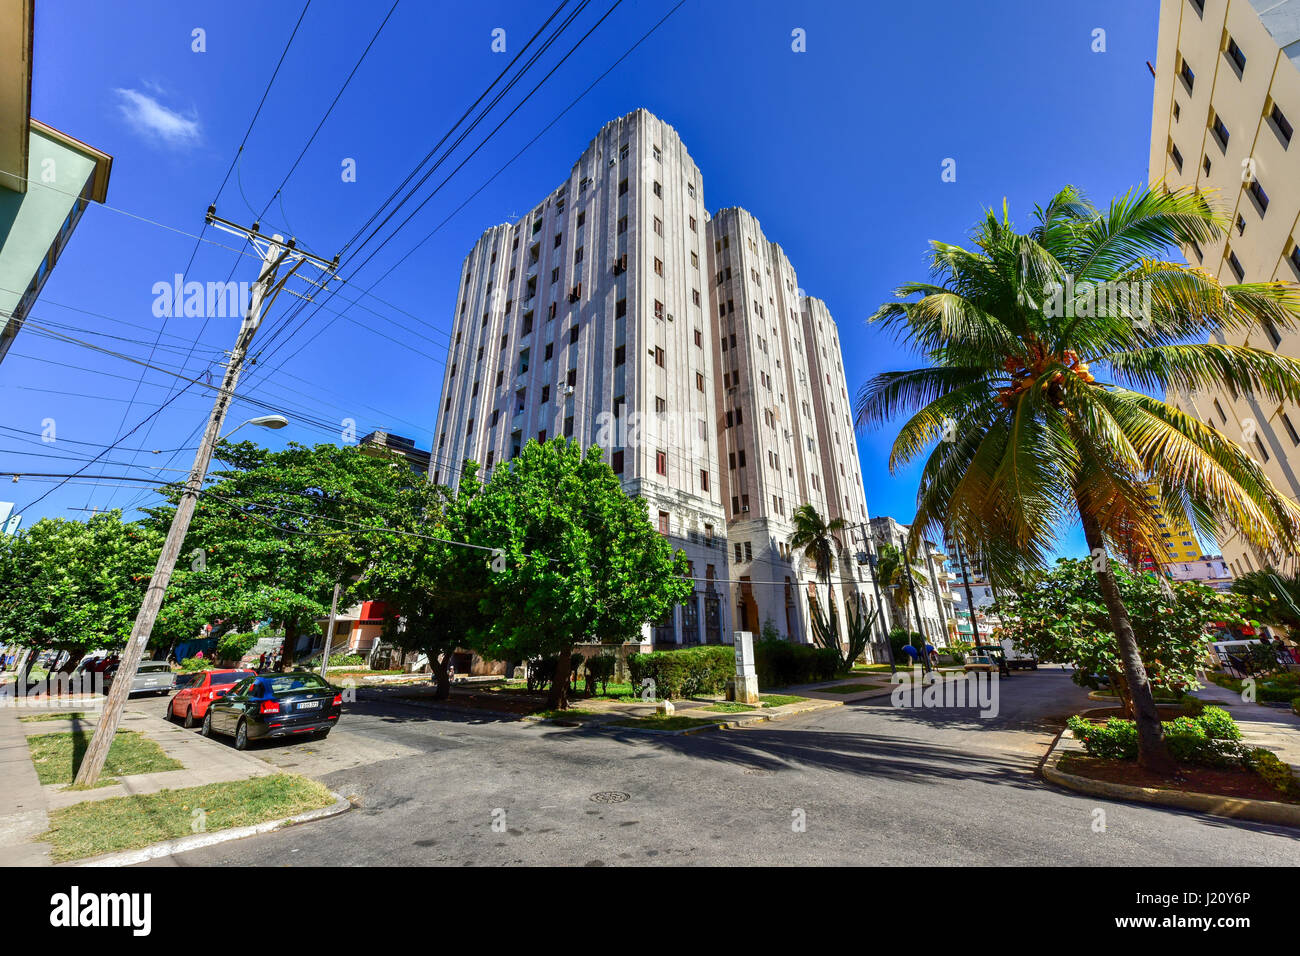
(1219, 781)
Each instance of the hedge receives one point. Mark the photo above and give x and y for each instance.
(685, 672)
(1210, 739)
(782, 664)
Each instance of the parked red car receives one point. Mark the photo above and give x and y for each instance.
(191, 702)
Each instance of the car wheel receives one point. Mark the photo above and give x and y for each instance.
(169, 716)
(189, 718)
(241, 736)
(206, 730)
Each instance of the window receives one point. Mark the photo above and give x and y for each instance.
(568, 427)
(572, 378)
(1177, 157)
(1219, 408)
(699, 381)
(559, 237)
(1198, 6)
(1290, 429)
(1277, 119)
(1262, 450)
(620, 308)
(659, 308)
(573, 335)
(661, 405)
(659, 226)
(704, 480)
(1234, 54)
(691, 223)
(749, 551)
(622, 188)
(616, 462)
(661, 462)
(1294, 258)
(659, 356)
(546, 394)
(1257, 193)
(582, 217)
(699, 338)
(1241, 224)
(659, 190)
(1274, 335)
(620, 355)
(1235, 264)
(659, 267)
(1205, 164)
(577, 255)
(622, 225)
(550, 350)
(1188, 77)
(695, 296)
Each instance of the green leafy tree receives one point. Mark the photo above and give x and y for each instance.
(580, 562)
(73, 586)
(1062, 616)
(1040, 349)
(434, 591)
(275, 531)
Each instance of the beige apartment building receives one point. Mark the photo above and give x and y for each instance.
(617, 313)
(1227, 98)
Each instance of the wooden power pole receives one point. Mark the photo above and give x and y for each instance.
(275, 251)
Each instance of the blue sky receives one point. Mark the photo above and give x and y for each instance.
(836, 150)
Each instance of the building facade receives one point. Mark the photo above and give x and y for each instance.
(1227, 93)
(618, 313)
(47, 179)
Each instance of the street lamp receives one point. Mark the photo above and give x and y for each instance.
(262, 421)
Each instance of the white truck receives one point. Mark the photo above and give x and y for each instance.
(1017, 657)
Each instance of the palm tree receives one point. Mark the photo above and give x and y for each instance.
(900, 577)
(1030, 438)
(817, 538)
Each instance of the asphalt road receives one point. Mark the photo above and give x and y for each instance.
(860, 784)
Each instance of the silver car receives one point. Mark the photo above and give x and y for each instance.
(151, 677)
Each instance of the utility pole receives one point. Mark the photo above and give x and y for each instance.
(274, 251)
(329, 634)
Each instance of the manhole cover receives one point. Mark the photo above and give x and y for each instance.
(610, 796)
(757, 772)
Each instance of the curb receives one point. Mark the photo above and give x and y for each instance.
(725, 723)
(1237, 808)
(201, 840)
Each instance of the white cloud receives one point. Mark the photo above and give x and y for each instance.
(149, 117)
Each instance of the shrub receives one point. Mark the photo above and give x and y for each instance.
(1212, 738)
(232, 646)
(600, 668)
(346, 660)
(685, 672)
(1269, 766)
(541, 671)
(192, 665)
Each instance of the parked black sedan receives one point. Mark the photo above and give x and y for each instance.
(298, 703)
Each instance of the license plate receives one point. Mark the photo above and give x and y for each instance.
(309, 705)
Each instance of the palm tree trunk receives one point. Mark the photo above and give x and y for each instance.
(1153, 754)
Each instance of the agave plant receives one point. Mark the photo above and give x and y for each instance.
(1042, 351)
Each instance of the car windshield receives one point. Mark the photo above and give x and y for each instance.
(290, 683)
(154, 668)
(220, 680)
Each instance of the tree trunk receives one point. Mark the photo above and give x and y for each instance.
(1153, 754)
(558, 698)
(441, 680)
(288, 646)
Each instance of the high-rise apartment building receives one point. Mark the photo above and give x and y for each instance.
(618, 313)
(1227, 96)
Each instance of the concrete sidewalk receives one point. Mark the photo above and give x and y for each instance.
(1276, 728)
(203, 761)
(22, 799)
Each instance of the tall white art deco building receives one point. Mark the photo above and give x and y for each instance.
(618, 313)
